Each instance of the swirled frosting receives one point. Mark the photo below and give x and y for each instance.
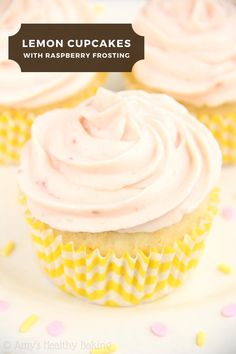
(190, 49)
(128, 161)
(29, 90)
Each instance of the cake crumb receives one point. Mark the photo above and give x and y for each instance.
(96, 212)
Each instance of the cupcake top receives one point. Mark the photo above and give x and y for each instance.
(190, 49)
(30, 90)
(128, 161)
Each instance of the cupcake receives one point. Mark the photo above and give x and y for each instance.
(190, 54)
(26, 95)
(120, 193)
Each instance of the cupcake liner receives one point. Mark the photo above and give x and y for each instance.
(15, 124)
(14, 132)
(222, 124)
(220, 120)
(119, 281)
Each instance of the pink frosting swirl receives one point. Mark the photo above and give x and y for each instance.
(190, 49)
(29, 90)
(128, 161)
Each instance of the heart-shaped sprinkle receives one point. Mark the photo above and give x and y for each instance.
(55, 328)
(228, 213)
(4, 305)
(159, 329)
(229, 310)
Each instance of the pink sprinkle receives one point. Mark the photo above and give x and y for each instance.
(55, 328)
(229, 310)
(4, 305)
(229, 213)
(159, 329)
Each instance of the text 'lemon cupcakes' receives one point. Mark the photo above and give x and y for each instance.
(23, 96)
(190, 50)
(120, 194)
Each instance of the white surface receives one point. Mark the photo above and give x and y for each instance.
(195, 306)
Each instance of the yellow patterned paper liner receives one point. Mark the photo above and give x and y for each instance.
(220, 120)
(119, 281)
(222, 123)
(15, 124)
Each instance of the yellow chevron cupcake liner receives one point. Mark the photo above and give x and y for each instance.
(222, 123)
(220, 120)
(15, 124)
(119, 281)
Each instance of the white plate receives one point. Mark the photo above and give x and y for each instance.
(195, 306)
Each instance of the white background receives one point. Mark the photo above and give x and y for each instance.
(195, 306)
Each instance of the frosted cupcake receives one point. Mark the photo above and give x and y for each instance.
(190, 54)
(25, 95)
(120, 194)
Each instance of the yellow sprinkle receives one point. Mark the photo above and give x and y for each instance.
(111, 348)
(22, 199)
(201, 339)
(28, 323)
(8, 249)
(224, 268)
